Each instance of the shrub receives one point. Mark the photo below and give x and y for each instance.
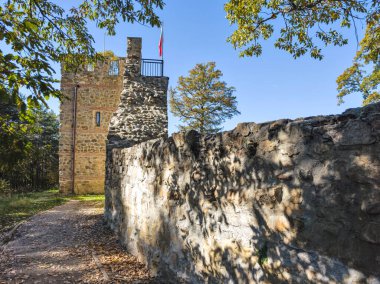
(5, 187)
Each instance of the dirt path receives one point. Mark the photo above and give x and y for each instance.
(68, 244)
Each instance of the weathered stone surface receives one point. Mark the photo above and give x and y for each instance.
(142, 112)
(290, 201)
(141, 115)
(98, 92)
(372, 204)
(371, 233)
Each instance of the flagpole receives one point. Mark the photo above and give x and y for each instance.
(162, 32)
(161, 44)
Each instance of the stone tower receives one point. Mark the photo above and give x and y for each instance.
(93, 96)
(142, 112)
(141, 115)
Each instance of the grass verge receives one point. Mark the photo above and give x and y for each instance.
(18, 207)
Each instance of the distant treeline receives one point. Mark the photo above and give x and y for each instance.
(28, 148)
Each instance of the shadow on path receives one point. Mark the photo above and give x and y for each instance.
(59, 245)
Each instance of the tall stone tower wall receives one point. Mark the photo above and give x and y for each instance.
(142, 112)
(115, 88)
(141, 115)
(98, 91)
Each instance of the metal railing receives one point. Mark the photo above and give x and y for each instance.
(152, 67)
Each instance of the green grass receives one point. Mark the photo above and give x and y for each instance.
(89, 197)
(18, 207)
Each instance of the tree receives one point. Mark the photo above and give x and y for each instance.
(29, 147)
(304, 25)
(202, 101)
(38, 33)
(356, 79)
(13, 135)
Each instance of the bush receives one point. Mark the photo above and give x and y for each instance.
(5, 187)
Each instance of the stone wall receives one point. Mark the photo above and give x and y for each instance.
(142, 112)
(289, 201)
(98, 92)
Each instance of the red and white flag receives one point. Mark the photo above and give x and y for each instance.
(161, 44)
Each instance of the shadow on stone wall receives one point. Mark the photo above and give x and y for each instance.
(284, 201)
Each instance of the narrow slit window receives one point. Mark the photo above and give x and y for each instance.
(90, 67)
(114, 68)
(97, 118)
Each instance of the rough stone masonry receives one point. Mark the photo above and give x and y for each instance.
(142, 112)
(295, 201)
(82, 158)
(92, 95)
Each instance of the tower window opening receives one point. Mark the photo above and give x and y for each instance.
(114, 68)
(97, 118)
(90, 67)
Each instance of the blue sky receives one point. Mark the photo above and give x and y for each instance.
(270, 87)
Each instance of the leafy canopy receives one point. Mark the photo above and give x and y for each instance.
(364, 75)
(202, 101)
(303, 26)
(29, 146)
(36, 33)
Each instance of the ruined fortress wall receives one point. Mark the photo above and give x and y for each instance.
(289, 201)
(142, 112)
(98, 92)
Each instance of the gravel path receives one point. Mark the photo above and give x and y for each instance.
(68, 244)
